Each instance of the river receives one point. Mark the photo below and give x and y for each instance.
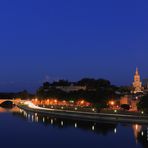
(21, 129)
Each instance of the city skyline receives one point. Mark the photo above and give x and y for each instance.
(34, 86)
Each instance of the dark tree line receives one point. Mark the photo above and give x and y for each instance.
(143, 104)
(97, 91)
(22, 94)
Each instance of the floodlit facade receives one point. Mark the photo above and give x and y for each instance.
(137, 84)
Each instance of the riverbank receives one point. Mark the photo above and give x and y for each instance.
(96, 117)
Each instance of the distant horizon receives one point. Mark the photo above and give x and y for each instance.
(34, 86)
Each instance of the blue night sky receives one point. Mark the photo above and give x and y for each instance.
(71, 39)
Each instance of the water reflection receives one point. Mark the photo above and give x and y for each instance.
(10, 109)
(140, 132)
(143, 138)
(98, 128)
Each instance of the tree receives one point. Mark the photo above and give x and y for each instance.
(98, 91)
(93, 83)
(103, 83)
(23, 94)
(143, 104)
(46, 85)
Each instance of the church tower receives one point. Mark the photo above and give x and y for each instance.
(137, 84)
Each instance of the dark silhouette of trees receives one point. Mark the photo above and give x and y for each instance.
(46, 85)
(143, 103)
(97, 91)
(24, 95)
(94, 84)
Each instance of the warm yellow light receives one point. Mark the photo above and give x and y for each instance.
(82, 102)
(112, 102)
(136, 126)
(30, 104)
(55, 101)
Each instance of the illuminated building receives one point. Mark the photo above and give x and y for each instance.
(137, 84)
(134, 105)
(125, 100)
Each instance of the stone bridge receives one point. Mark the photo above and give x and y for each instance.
(14, 101)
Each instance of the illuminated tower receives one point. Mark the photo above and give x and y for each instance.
(137, 84)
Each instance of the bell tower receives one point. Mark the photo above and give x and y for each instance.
(137, 84)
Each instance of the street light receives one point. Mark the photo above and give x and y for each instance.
(112, 103)
(93, 109)
(115, 111)
(76, 108)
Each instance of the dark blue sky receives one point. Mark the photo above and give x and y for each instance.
(71, 39)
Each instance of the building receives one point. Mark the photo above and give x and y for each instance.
(71, 88)
(137, 84)
(131, 101)
(125, 100)
(133, 105)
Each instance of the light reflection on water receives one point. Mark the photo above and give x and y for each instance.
(118, 134)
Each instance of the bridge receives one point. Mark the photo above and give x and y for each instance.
(14, 101)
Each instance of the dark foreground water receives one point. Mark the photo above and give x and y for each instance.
(19, 129)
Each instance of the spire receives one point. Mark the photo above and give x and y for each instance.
(137, 71)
